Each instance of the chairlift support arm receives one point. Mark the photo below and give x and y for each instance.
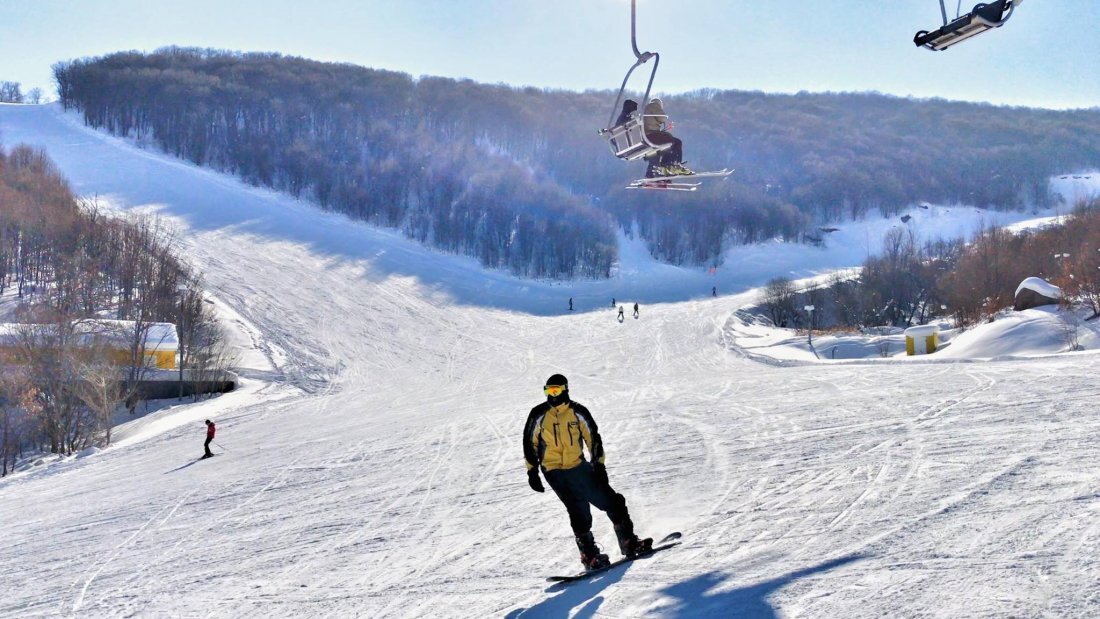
(635, 143)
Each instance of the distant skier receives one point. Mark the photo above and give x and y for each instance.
(635, 310)
(714, 291)
(553, 439)
(612, 301)
(621, 313)
(210, 429)
(570, 303)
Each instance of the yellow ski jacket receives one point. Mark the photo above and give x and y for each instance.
(554, 436)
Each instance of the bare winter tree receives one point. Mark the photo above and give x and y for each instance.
(846, 299)
(10, 92)
(779, 297)
(210, 356)
(100, 389)
(17, 412)
(50, 356)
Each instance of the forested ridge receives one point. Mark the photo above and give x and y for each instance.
(518, 178)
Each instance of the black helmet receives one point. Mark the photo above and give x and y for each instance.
(557, 380)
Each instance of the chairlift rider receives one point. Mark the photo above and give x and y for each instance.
(671, 162)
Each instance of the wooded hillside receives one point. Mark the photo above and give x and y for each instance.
(62, 261)
(518, 178)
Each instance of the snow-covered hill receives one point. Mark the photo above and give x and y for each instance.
(372, 467)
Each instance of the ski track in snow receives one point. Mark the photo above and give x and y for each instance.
(382, 475)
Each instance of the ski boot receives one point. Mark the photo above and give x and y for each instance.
(679, 169)
(629, 543)
(591, 556)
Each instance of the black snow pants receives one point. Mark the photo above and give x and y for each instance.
(206, 446)
(675, 154)
(578, 489)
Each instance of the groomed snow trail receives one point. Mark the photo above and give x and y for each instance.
(379, 474)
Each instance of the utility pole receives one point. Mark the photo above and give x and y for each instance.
(182, 289)
(810, 329)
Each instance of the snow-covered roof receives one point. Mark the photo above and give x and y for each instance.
(158, 336)
(922, 330)
(1041, 286)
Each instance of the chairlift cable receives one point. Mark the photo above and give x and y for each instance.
(634, 30)
(641, 58)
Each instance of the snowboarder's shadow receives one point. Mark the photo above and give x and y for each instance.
(583, 595)
(693, 598)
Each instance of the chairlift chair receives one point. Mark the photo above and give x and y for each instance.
(984, 17)
(628, 141)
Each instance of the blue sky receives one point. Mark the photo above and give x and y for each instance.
(1046, 56)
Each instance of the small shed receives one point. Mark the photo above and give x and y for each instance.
(921, 340)
(1036, 292)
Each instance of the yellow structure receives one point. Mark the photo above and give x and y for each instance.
(159, 349)
(921, 340)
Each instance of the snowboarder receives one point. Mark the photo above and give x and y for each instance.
(620, 313)
(210, 429)
(635, 310)
(553, 439)
(656, 131)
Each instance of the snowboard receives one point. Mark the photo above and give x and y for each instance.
(665, 543)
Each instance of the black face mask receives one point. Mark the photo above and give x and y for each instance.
(557, 400)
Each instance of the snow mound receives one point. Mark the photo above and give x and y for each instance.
(1037, 331)
(1041, 286)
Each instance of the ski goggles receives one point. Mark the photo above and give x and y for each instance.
(554, 390)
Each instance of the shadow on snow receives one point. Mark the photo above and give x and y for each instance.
(583, 595)
(694, 597)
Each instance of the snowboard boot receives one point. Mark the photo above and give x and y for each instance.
(629, 543)
(591, 556)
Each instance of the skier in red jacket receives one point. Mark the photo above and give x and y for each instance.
(210, 429)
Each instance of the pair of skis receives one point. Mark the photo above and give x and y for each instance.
(665, 543)
(681, 182)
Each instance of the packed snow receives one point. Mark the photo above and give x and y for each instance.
(371, 464)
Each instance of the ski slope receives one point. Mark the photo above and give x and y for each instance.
(371, 466)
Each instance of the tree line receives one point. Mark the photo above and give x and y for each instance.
(371, 144)
(518, 178)
(12, 92)
(63, 260)
(965, 281)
